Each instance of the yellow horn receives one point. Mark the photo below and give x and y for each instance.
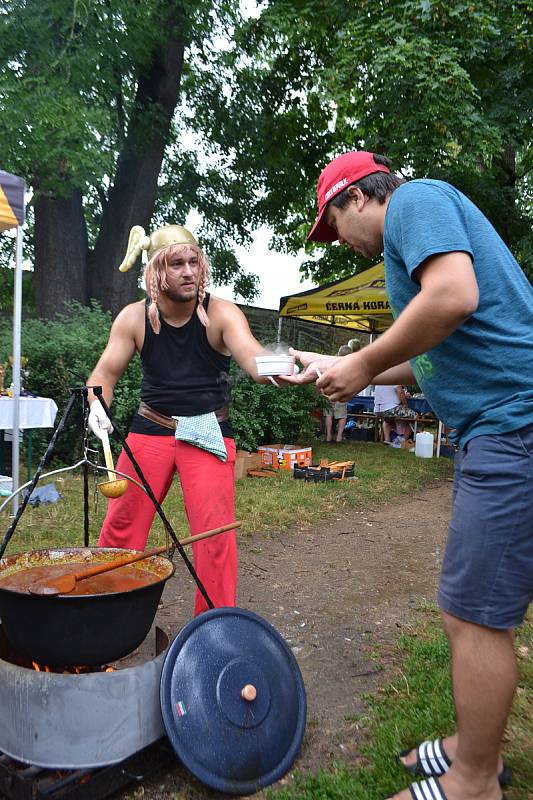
(137, 242)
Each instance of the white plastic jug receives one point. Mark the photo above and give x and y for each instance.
(424, 445)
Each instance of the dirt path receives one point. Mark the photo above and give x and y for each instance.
(336, 592)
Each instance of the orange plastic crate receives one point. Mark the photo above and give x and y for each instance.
(285, 456)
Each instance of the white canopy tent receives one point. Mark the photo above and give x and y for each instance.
(12, 209)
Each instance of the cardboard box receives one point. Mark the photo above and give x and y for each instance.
(245, 461)
(268, 455)
(285, 456)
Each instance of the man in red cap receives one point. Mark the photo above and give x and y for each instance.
(463, 332)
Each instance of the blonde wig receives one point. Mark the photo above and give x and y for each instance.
(159, 246)
(155, 278)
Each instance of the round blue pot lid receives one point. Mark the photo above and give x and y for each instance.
(233, 700)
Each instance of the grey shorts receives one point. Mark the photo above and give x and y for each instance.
(487, 570)
(336, 410)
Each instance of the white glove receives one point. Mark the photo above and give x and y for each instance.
(98, 419)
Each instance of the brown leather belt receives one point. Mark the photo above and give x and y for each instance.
(144, 410)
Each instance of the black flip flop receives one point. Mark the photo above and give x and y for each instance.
(432, 761)
(429, 790)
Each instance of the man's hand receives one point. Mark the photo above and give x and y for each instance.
(313, 365)
(344, 378)
(98, 419)
(280, 380)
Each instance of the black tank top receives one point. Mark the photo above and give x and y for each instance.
(182, 374)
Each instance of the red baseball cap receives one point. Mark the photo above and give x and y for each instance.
(337, 176)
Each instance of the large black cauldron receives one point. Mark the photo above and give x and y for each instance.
(79, 630)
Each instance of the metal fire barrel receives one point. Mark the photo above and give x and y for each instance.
(65, 721)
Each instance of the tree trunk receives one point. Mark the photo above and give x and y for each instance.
(60, 253)
(132, 197)
(64, 268)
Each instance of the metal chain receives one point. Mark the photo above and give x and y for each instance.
(92, 457)
(96, 491)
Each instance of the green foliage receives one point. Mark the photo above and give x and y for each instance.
(69, 72)
(265, 103)
(7, 281)
(73, 87)
(61, 354)
(262, 414)
(407, 78)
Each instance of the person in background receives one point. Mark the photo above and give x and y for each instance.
(463, 332)
(391, 402)
(185, 337)
(354, 345)
(337, 412)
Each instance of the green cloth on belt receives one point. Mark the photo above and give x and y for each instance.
(202, 431)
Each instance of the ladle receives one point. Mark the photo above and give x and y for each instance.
(114, 487)
(63, 584)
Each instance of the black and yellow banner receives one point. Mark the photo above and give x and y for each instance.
(11, 201)
(359, 302)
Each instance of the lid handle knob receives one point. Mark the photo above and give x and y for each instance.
(249, 692)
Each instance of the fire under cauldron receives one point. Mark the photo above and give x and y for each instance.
(73, 630)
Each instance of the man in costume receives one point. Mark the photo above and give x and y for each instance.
(463, 331)
(185, 338)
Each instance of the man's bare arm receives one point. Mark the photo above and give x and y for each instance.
(118, 352)
(449, 295)
(239, 340)
(315, 364)
(401, 375)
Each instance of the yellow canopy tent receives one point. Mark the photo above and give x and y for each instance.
(358, 302)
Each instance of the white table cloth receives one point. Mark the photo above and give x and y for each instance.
(34, 412)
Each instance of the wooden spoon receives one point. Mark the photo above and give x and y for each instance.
(63, 584)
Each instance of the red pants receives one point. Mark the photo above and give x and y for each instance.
(208, 488)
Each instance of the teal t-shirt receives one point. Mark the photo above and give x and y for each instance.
(480, 379)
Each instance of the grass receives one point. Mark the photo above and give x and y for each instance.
(416, 706)
(277, 503)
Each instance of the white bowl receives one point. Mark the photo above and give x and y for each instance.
(275, 364)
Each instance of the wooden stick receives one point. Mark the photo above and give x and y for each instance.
(86, 573)
(257, 473)
(108, 455)
(199, 536)
(63, 584)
